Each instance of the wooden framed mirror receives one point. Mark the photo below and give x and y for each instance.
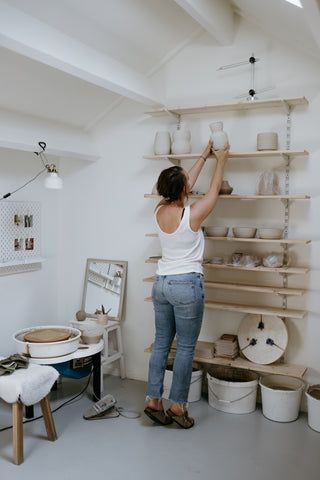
(104, 284)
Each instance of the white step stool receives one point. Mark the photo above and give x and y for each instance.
(113, 346)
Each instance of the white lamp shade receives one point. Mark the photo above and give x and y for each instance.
(53, 180)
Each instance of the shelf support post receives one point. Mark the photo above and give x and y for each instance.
(286, 201)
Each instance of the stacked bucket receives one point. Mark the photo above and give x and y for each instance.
(233, 390)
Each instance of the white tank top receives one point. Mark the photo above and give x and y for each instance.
(182, 250)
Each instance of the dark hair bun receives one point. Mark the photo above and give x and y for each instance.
(171, 183)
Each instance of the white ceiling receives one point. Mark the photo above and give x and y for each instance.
(30, 87)
(138, 33)
(281, 20)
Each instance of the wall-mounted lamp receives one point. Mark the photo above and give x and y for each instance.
(52, 179)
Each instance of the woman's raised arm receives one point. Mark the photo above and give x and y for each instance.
(203, 207)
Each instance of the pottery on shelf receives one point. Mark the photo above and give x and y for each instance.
(181, 141)
(218, 136)
(244, 232)
(226, 188)
(162, 143)
(270, 233)
(216, 231)
(267, 141)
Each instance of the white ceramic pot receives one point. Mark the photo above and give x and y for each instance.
(162, 143)
(47, 350)
(267, 141)
(216, 231)
(244, 232)
(181, 142)
(218, 136)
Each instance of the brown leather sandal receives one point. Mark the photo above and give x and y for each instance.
(158, 416)
(184, 421)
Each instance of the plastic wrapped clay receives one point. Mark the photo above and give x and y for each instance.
(273, 260)
(269, 183)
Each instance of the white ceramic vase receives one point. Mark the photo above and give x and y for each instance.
(218, 136)
(181, 142)
(162, 143)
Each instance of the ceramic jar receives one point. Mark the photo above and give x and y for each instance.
(181, 141)
(226, 188)
(267, 141)
(162, 143)
(218, 136)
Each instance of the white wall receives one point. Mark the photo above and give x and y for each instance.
(29, 298)
(105, 215)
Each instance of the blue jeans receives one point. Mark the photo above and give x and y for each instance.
(178, 305)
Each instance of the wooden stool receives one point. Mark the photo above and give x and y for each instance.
(17, 420)
(26, 387)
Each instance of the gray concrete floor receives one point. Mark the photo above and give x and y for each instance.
(220, 446)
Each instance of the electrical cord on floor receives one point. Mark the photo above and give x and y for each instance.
(119, 410)
(67, 402)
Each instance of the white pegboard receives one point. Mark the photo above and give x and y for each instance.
(20, 236)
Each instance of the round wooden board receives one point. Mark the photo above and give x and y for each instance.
(274, 329)
(47, 335)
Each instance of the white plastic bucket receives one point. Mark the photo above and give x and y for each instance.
(232, 390)
(281, 397)
(195, 385)
(313, 399)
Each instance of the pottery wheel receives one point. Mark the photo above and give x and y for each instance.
(262, 339)
(47, 335)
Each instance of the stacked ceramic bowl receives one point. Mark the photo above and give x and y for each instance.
(267, 141)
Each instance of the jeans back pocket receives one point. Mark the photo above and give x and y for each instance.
(182, 292)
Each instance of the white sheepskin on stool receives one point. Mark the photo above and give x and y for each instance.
(28, 385)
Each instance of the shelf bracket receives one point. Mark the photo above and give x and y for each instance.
(176, 115)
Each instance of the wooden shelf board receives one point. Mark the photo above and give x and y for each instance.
(282, 270)
(256, 288)
(243, 197)
(261, 310)
(279, 368)
(250, 240)
(260, 240)
(239, 362)
(247, 288)
(231, 106)
(255, 154)
(255, 309)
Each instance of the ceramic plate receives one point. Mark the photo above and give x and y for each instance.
(262, 338)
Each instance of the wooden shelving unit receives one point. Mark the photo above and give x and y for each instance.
(242, 197)
(233, 155)
(260, 268)
(239, 362)
(280, 270)
(254, 309)
(242, 287)
(250, 240)
(230, 106)
(283, 291)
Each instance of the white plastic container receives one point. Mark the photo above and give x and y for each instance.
(232, 390)
(195, 386)
(281, 397)
(313, 399)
